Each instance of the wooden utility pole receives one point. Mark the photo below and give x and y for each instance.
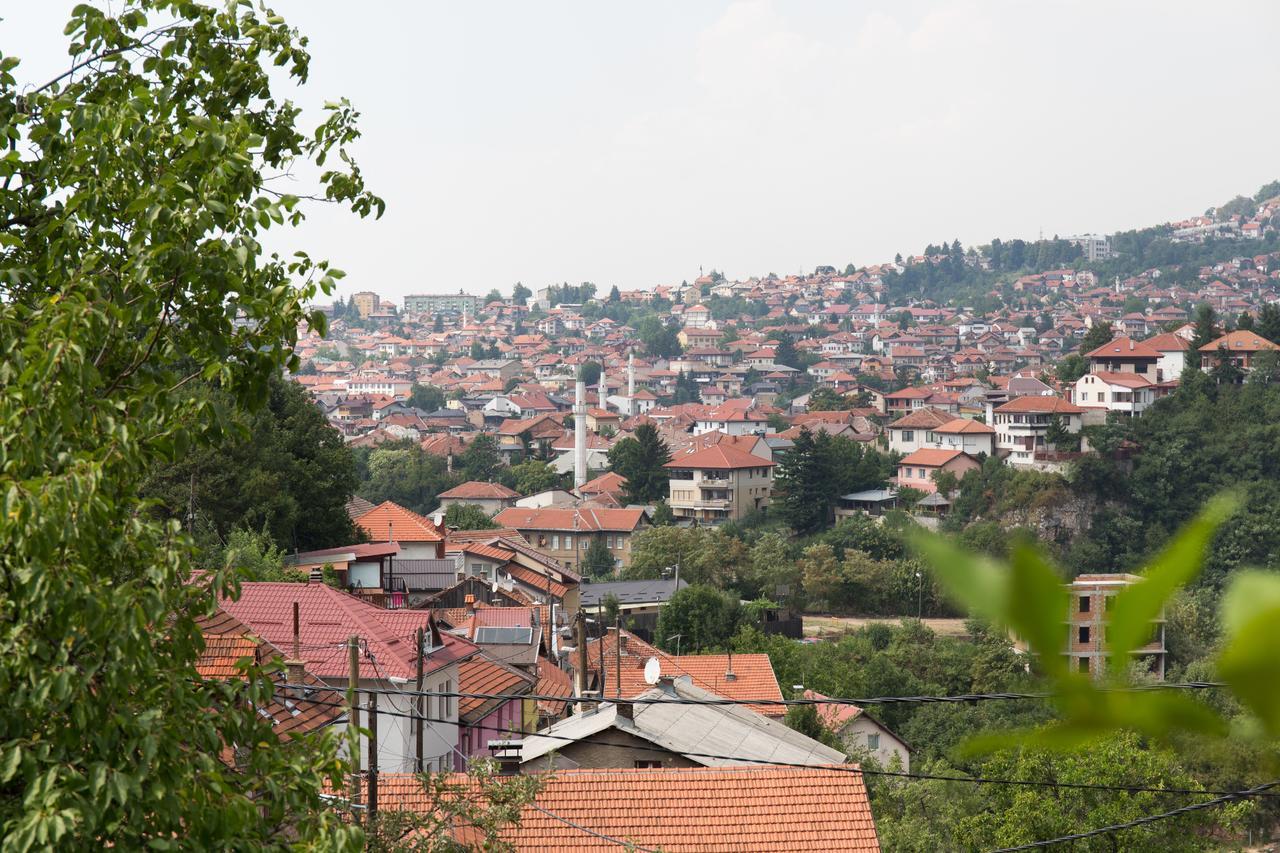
(580, 640)
(353, 721)
(604, 632)
(617, 656)
(417, 700)
(373, 756)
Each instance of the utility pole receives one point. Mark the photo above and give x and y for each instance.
(417, 700)
(373, 757)
(617, 656)
(353, 721)
(580, 640)
(604, 632)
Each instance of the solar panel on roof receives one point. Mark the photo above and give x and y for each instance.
(504, 635)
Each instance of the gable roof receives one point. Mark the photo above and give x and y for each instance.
(923, 418)
(1039, 405)
(581, 519)
(390, 521)
(1240, 341)
(965, 426)
(1125, 347)
(721, 456)
(328, 617)
(684, 809)
(694, 731)
(931, 457)
(478, 490)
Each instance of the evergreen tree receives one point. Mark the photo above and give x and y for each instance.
(481, 460)
(641, 459)
(802, 485)
(1206, 331)
(785, 353)
(1098, 335)
(1268, 323)
(598, 561)
(662, 515)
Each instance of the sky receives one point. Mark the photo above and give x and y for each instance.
(636, 144)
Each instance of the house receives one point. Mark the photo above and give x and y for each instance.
(565, 534)
(972, 437)
(733, 676)
(664, 731)
(420, 566)
(1241, 347)
(1090, 603)
(639, 602)
(719, 483)
(902, 402)
(907, 434)
(1126, 393)
(1125, 355)
(490, 497)
(482, 719)
(610, 485)
(681, 810)
(917, 470)
(859, 730)
(388, 659)
(1023, 423)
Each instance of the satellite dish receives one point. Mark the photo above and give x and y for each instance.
(652, 669)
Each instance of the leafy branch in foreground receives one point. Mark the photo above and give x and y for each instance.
(132, 203)
(1026, 596)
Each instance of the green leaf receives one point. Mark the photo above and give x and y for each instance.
(1138, 605)
(1249, 662)
(1038, 604)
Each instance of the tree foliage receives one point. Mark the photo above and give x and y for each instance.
(816, 470)
(467, 517)
(702, 616)
(134, 202)
(641, 459)
(598, 560)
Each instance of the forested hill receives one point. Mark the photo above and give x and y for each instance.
(981, 276)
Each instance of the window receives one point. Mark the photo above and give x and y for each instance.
(1084, 633)
(568, 541)
(1084, 604)
(908, 435)
(446, 702)
(642, 764)
(873, 741)
(555, 541)
(477, 568)
(1084, 664)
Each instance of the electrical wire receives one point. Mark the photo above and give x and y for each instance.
(958, 699)
(1249, 793)
(900, 774)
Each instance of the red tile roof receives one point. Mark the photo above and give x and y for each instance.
(1124, 347)
(585, 520)
(965, 426)
(1039, 405)
(683, 809)
(553, 681)
(931, 457)
(1240, 341)
(479, 674)
(924, 418)
(719, 457)
(222, 653)
(328, 617)
(390, 521)
(476, 490)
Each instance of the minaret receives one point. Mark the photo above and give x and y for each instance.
(604, 392)
(580, 434)
(631, 384)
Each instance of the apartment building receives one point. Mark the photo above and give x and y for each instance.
(1022, 424)
(719, 483)
(1091, 597)
(565, 534)
(440, 303)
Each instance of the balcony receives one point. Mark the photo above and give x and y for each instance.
(714, 482)
(717, 503)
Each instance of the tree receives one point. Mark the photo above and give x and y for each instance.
(428, 398)
(520, 294)
(827, 400)
(701, 616)
(492, 296)
(704, 556)
(662, 515)
(1100, 333)
(1059, 437)
(659, 339)
(405, 473)
(641, 459)
(134, 203)
(598, 560)
(614, 296)
(589, 372)
(1072, 368)
(1268, 325)
(467, 517)
(819, 570)
(481, 460)
(801, 486)
(909, 497)
(533, 476)
(786, 354)
(1206, 328)
(280, 468)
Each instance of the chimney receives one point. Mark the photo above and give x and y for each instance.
(626, 710)
(295, 666)
(470, 603)
(390, 538)
(729, 673)
(622, 641)
(316, 575)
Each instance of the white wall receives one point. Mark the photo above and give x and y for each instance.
(396, 743)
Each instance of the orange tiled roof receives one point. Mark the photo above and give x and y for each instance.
(389, 520)
(683, 809)
(479, 674)
(476, 490)
(222, 652)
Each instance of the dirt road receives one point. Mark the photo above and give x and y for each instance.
(818, 626)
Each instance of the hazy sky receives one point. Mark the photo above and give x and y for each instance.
(631, 144)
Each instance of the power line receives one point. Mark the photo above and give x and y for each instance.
(978, 780)
(1249, 793)
(959, 699)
